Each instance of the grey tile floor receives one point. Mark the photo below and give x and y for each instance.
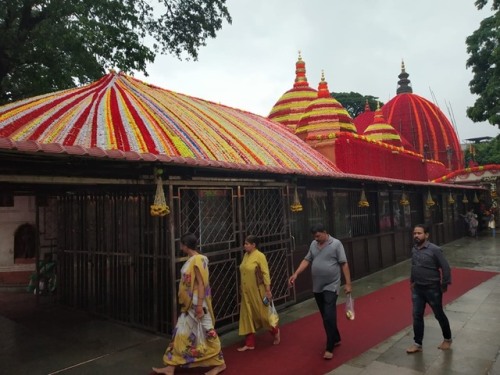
(79, 344)
(474, 319)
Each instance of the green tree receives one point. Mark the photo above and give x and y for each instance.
(485, 152)
(48, 45)
(484, 49)
(354, 102)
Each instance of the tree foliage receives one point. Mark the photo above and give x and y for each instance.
(484, 49)
(485, 152)
(48, 45)
(354, 102)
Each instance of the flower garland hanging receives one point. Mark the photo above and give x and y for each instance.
(476, 199)
(159, 207)
(404, 200)
(363, 202)
(450, 199)
(296, 206)
(429, 202)
(465, 200)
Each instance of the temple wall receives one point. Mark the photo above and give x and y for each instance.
(357, 155)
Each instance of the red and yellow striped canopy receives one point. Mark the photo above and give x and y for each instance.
(119, 116)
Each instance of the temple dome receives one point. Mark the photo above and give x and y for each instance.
(289, 108)
(324, 115)
(421, 123)
(381, 131)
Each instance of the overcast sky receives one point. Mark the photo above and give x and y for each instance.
(358, 43)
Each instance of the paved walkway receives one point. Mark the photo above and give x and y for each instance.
(474, 320)
(76, 343)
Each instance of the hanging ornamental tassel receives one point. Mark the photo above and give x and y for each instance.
(159, 207)
(451, 200)
(363, 202)
(296, 206)
(429, 202)
(476, 199)
(465, 200)
(404, 200)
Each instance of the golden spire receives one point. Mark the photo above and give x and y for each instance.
(300, 73)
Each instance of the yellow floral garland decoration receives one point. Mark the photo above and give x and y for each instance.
(404, 200)
(429, 202)
(159, 208)
(296, 206)
(363, 202)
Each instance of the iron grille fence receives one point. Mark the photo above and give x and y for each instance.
(119, 262)
(112, 258)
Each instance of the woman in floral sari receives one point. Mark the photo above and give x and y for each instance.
(194, 341)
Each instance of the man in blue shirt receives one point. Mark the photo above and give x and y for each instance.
(430, 277)
(327, 257)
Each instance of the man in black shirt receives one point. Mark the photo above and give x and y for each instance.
(430, 277)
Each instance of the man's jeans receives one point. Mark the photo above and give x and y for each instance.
(327, 304)
(434, 297)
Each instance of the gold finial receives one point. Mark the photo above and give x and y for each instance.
(402, 65)
(378, 105)
(322, 75)
(300, 56)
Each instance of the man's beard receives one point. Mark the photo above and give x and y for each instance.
(418, 241)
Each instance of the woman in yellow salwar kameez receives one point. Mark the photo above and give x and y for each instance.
(195, 342)
(255, 285)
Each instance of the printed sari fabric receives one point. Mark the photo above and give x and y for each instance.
(194, 343)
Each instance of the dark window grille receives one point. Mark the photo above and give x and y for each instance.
(363, 219)
(209, 214)
(416, 209)
(341, 214)
(385, 211)
(317, 208)
(264, 213)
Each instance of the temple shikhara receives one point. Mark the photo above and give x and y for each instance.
(103, 179)
(409, 137)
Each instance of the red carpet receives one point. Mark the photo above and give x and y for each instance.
(379, 315)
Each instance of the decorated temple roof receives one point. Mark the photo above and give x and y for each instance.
(426, 127)
(471, 174)
(324, 115)
(421, 123)
(381, 131)
(121, 117)
(289, 108)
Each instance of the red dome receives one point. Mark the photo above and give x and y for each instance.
(363, 120)
(425, 127)
(419, 122)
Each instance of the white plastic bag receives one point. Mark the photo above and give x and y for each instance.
(273, 315)
(349, 307)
